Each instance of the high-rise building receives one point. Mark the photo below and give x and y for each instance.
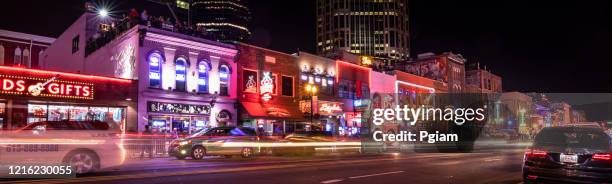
(376, 28)
(223, 20)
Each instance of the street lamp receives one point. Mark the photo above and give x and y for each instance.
(311, 90)
(103, 13)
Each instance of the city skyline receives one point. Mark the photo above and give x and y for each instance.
(549, 54)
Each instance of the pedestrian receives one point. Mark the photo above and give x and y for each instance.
(133, 17)
(144, 17)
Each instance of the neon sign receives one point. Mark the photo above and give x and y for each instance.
(267, 87)
(40, 87)
(329, 108)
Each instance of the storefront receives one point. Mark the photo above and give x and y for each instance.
(267, 91)
(328, 115)
(30, 95)
(187, 84)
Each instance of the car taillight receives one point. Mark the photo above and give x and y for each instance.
(602, 156)
(536, 153)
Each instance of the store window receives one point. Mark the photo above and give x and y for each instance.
(114, 116)
(224, 76)
(155, 61)
(2, 112)
(287, 86)
(181, 73)
(58, 113)
(203, 69)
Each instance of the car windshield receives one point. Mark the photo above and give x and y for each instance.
(573, 137)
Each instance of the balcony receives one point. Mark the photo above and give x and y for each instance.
(109, 31)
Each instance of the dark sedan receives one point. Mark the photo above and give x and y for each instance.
(569, 154)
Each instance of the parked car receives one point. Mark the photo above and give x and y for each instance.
(223, 141)
(569, 154)
(85, 146)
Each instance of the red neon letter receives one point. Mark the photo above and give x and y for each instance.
(8, 84)
(77, 88)
(54, 88)
(20, 85)
(86, 91)
(68, 89)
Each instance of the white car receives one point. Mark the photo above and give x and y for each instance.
(85, 146)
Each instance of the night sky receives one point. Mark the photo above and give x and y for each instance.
(554, 46)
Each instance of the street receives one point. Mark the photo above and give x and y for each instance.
(501, 166)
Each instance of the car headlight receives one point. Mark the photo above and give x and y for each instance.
(182, 143)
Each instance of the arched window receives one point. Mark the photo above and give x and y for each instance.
(1, 55)
(224, 76)
(155, 61)
(26, 58)
(203, 69)
(180, 69)
(17, 57)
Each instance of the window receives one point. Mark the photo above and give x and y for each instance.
(328, 86)
(203, 69)
(17, 57)
(26, 58)
(75, 44)
(182, 4)
(40, 59)
(155, 61)
(344, 87)
(224, 75)
(287, 85)
(1, 55)
(365, 90)
(180, 70)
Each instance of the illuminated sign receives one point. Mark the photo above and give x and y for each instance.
(329, 108)
(267, 87)
(176, 108)
(45, 87)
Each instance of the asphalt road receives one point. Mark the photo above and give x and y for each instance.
(491, 167)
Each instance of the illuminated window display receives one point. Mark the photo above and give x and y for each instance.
(182, 124)
(181, 77)
(203, 77)
(155, 61)
(224, 76)
(2, 110)
(43, 112)
(37, 113)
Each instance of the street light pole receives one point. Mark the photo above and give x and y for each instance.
(311, 90)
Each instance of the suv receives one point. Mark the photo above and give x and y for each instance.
(569, 154)
(225, 141)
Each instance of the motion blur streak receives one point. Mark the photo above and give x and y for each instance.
(287, 144)
(51, 141)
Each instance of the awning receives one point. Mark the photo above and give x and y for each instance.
(272, 111)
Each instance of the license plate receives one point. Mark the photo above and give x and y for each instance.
(569, 158)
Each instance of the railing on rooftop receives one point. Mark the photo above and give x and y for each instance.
(107, 32)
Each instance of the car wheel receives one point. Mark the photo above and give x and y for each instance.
(82, 162)
(246, 152)
(198, 152)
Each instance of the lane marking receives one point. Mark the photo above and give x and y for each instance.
(492, 159)
(332, 181)
(241, 169)
(378, 174)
